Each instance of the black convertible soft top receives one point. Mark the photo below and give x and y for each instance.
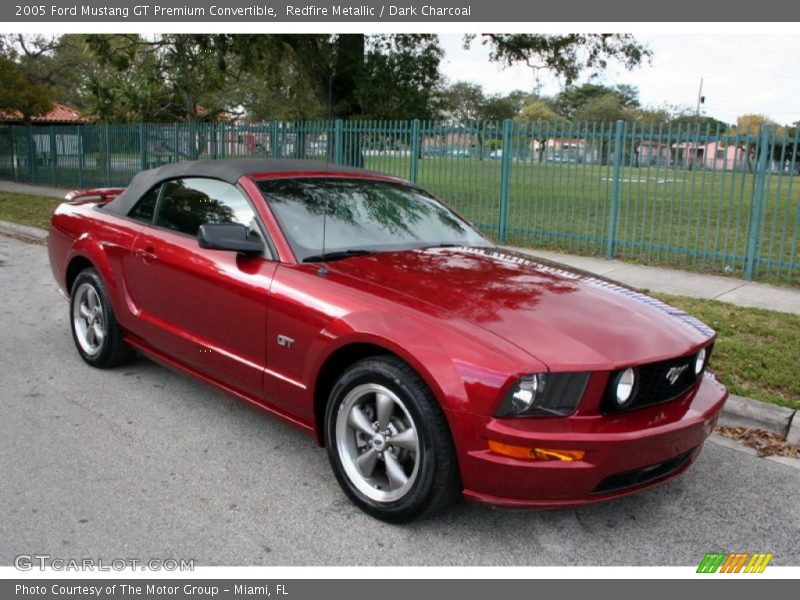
(230, 170)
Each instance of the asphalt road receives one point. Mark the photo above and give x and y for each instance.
(143, 463)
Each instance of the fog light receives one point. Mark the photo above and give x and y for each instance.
(535, 453)
(625, 386)
(700, 361)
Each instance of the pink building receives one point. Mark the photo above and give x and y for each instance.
(722, 157)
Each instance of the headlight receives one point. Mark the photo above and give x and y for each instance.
(544, 395)
(526, 390)
(624, 390)
(700, 361)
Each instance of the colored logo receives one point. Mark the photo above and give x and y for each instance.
(734, 562)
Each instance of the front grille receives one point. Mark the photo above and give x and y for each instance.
(654, 384)
(629, 479)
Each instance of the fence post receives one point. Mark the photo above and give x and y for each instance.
(142, 147)
(755, 209)
(53, 157)
(615, 191)
(505, 173)
(337, 142)
(31, 156)
(222, 135)
(275, 140)
(175, 142)
(414, 149)
(12, 132)
(107, 135)
(81, 157)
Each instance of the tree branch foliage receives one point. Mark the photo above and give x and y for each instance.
(566, 56)
(126, 77)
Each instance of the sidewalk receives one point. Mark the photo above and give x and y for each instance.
(32, 190)
(683, 283)
(656, 279)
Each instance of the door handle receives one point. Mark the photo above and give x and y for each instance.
(147, 255)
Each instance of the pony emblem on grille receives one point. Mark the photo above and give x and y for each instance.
(674, 374)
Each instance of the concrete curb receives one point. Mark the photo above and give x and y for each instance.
(753, 414)
(25, 231)
(737, 412)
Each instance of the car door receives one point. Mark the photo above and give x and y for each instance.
(205, 309)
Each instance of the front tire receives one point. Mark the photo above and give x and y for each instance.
(388, 441)
(95, 331)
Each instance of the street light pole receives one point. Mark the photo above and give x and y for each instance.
(700, 100)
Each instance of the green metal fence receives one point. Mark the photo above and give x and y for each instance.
(680, 195)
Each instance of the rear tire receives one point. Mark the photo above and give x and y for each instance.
(95, 331)
(389, 443)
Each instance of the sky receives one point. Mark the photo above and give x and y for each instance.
(741, 74)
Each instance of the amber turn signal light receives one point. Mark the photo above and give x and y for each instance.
(535, 453)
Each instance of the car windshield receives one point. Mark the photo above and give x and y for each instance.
(361, 216)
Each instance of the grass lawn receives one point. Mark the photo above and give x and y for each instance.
(693, 219)
(758, 351)
(757, 354)
(34, 211)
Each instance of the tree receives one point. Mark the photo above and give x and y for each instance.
(349, 76)
(354, 76)
(337, 63)
(498, 107)
(60, 63)
(274, 91)
(18, 93)
(687, 117)
(168, 77)
(786, 150)
(540, 110)
(574, 98)
(603, 109)
(401, 77)
(463, 101)
(748, 129)
(566, 56)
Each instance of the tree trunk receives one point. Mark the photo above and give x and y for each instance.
(341, 92)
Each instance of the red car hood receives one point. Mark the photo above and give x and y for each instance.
(567, 319)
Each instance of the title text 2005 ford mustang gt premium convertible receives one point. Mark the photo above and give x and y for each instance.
(362, 310)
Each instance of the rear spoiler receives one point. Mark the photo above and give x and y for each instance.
(101, 195)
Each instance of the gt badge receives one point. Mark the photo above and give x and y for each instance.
(285, 341)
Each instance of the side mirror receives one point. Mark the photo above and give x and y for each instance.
(229, 236)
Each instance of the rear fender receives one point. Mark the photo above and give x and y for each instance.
(88, 247)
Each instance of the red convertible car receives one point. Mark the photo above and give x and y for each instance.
(357, 307)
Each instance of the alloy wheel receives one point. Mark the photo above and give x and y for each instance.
(377, 442)
(88, 319)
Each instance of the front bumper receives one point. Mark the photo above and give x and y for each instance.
(625, 453)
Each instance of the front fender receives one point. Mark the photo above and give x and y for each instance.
(464, 369)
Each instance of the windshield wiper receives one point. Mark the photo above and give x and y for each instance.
(337, 255)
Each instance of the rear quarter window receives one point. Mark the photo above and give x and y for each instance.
(145, 208)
